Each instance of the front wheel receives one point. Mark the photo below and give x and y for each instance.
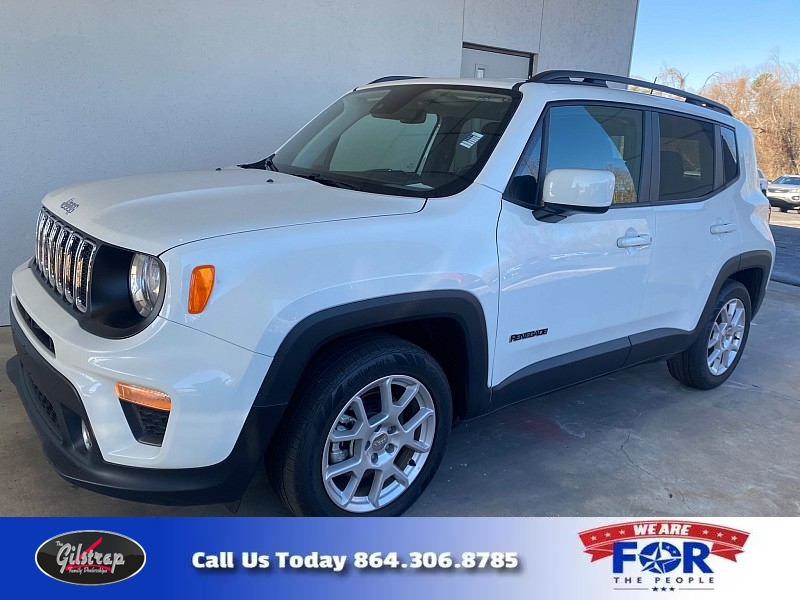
(367, 433)
(713, 356)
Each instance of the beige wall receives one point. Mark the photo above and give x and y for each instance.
(592, 36)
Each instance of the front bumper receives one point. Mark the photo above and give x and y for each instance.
(788, 200)
(56, 412)
(215, 437)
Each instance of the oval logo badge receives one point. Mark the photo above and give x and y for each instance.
(90, 557)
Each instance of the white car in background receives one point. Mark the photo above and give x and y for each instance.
(784, 192)
(763, 182)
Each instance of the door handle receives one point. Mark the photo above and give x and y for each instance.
(634, 241)
(722, 228)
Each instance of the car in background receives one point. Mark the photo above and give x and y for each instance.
(784, 192)
(763, 182)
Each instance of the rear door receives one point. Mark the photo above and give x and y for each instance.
(695, 176)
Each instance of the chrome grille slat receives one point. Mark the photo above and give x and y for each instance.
(83, 273)
(65, 259)
(51, 252)
(61, 241)
(39, 224)
(70, 252)
(45, 234)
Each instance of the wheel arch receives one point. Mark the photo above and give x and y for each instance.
(751, 270)
(428, 319)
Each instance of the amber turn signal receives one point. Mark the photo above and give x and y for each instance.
(142, 396)
(200, 288)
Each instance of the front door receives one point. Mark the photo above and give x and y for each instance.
(573, 289)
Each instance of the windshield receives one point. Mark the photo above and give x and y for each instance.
(412, 140)
(786, 180)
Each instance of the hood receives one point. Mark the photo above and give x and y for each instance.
(152, 213)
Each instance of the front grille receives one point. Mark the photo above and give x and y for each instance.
(64, 258)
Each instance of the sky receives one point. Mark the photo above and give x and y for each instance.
(703, 37)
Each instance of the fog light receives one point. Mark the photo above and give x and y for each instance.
(87, 439)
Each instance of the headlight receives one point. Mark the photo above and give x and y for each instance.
(144, 283)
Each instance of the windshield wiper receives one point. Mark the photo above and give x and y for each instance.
(316, 177)
(264, 164)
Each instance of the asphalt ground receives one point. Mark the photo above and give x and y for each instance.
(633, 444)
(786, 231)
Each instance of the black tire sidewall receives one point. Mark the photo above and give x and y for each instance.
(328, 401)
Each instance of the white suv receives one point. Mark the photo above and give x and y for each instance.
(422, 252)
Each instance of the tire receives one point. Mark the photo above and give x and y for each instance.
(347, 447)
(713, 356)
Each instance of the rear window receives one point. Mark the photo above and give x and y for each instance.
(686, 157)
(730, 157)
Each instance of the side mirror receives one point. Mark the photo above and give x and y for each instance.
(570, 191)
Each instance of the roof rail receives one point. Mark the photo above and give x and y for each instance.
(394, 78)
(589, 78)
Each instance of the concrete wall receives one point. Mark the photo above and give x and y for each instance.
(592, 36)
(91, 89)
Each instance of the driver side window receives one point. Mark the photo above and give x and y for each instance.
(605, 138)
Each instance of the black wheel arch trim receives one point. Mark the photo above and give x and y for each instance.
(315, 331)
(755, 259)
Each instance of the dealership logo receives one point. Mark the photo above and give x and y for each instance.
(663, 556)
(90, 557)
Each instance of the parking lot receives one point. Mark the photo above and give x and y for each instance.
(633, 444)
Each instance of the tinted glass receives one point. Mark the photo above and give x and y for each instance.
(730, 158)
(785, 180)
(598, 137)
(413, 140)
(686, 158)
(523, 184)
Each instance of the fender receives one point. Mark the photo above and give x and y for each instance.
(313, 332)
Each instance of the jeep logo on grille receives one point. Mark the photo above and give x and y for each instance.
(69, 205)
(90, 557)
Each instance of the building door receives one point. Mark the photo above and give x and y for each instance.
(491, 63)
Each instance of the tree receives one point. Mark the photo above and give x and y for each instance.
(768, 101)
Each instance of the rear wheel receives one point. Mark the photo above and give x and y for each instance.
(711, 359)
(367, 432)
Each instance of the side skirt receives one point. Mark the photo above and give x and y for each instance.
(589, 363)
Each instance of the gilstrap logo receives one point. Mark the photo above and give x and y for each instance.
(90, 557)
